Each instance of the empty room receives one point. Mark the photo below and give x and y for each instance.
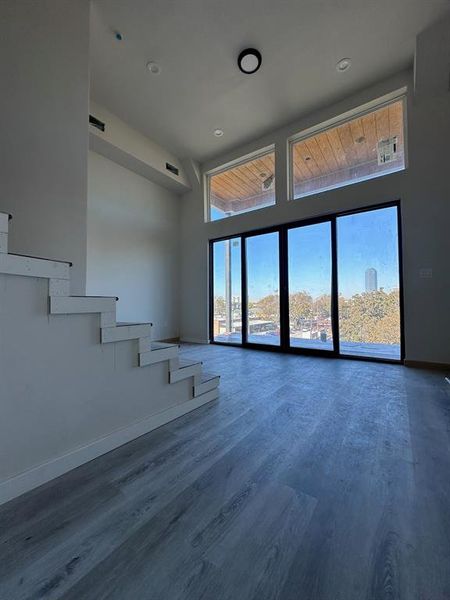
(224, 300)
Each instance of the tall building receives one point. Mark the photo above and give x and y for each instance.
(371, 280)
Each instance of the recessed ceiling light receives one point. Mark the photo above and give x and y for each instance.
(249, 60)
(344, 65)
(218, 132)
(153, 67)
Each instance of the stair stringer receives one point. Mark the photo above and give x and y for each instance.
(164, 365)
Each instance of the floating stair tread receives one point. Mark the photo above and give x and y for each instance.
(63, 262)
(109, 297)
(161, 346)
(131, 323)
(184, 369)
(125, 331)
(26, 266)
(81, 304)
(184, 363)
(205, 377)
(157, 354)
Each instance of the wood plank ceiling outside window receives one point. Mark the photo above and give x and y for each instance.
(344, 154)
(349, 152)
(247, 186)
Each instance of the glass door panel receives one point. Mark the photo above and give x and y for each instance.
(263, 289)
(309, 279)
(369, 284)
(227, 308)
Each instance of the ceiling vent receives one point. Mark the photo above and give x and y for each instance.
(96, 123)
(172, 169)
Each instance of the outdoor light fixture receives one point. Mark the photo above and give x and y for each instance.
(249, 60)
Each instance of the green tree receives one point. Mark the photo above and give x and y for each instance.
(300, 306)
(322, 306)
(372, 317)
(219, 306)
(268, 308)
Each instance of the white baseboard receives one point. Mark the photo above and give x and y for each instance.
(18, 485)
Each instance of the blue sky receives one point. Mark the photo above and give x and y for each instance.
(367, 239)
(216, 214)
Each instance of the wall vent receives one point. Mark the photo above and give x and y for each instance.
(172, 169)
(96, 123)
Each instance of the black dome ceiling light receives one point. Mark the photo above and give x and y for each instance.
(249, 60)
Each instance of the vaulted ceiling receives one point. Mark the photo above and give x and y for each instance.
(196, 43)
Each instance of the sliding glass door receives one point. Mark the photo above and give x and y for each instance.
(263, 288)
(369, 284)
(227, 296)
(329, 285)
(309, 269)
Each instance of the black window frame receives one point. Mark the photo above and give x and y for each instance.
(282, 230)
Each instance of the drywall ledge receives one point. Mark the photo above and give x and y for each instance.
(129, 148)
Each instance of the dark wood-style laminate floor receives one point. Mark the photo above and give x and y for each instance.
(310, 479)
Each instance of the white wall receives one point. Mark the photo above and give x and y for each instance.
(133, 245)
(129, 148)
(65, 398)
(44, 82)
(424, 190)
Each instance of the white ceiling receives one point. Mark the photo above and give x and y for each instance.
(196, 43)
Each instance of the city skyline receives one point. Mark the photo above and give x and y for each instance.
(371, 280)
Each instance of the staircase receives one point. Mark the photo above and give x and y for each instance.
(202, 388)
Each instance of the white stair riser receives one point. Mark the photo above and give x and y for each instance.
(150, 358)
(208, 396)
(129, 332)
(3, 243)
(207, 386)
(174, 363)
(4, 222)
(59, 287)
(184, 373)
(108, 319)
(145, 344)
(33, 267)
(60, 305)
